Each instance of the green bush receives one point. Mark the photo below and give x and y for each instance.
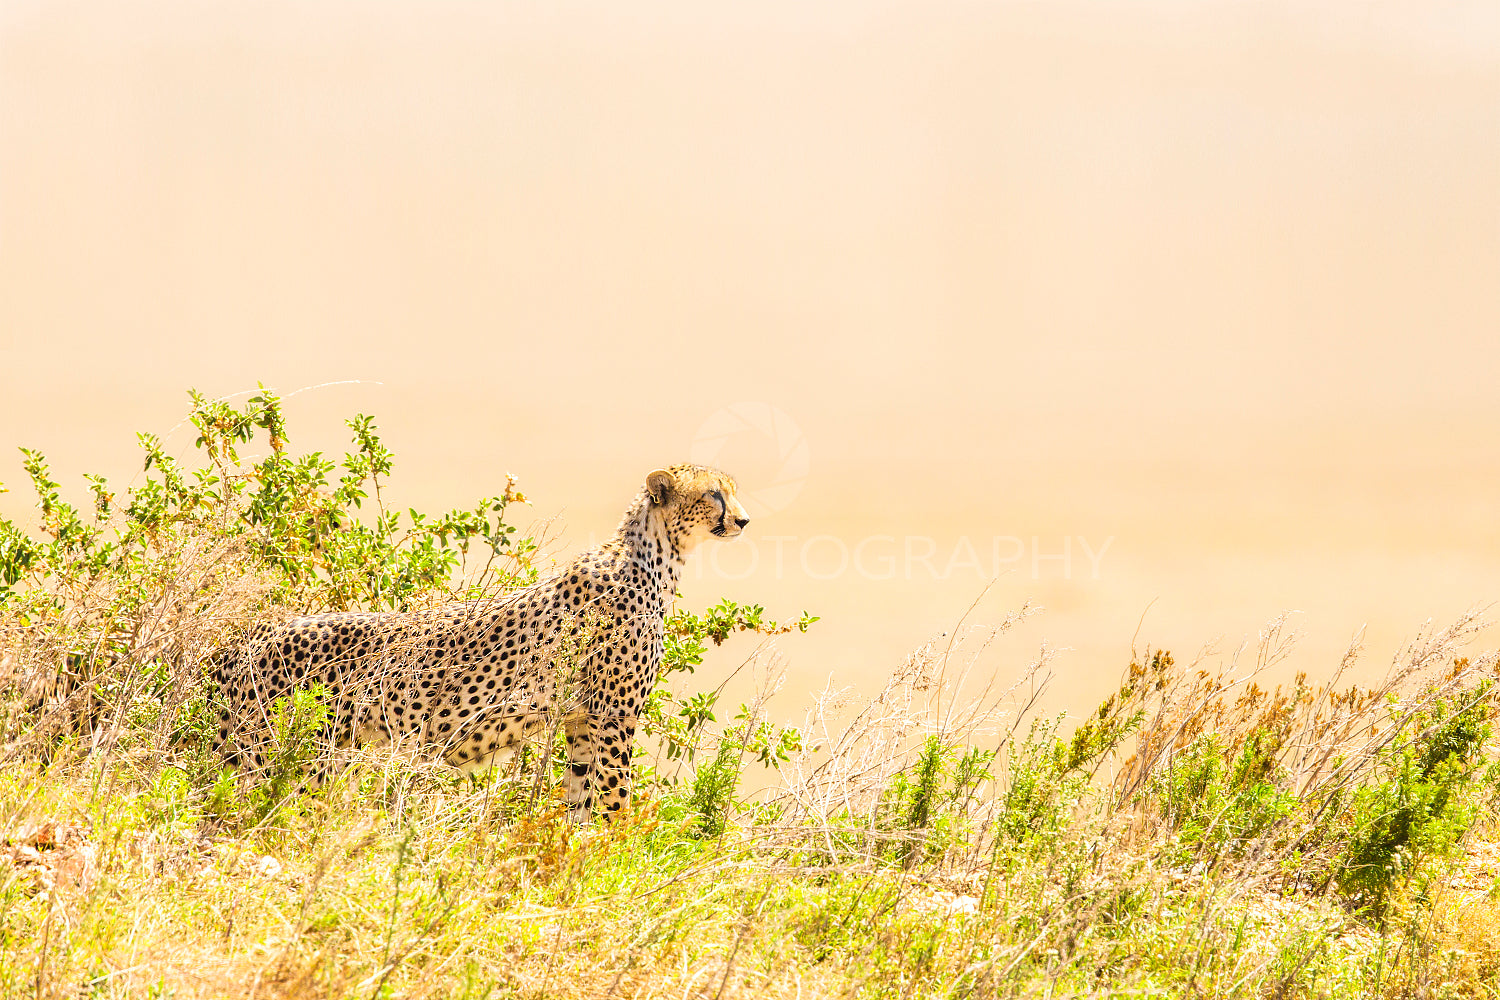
(1217, 804)
(1431, 789)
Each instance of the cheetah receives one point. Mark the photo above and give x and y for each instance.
(468, 681)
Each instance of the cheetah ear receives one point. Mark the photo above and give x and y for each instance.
(659, 485)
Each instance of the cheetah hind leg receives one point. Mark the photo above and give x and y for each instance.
(225, 746)
(491, 745)
(577, 791)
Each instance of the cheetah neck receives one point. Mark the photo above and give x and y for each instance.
(644, 538)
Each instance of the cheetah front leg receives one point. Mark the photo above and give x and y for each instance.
(599, 775)
(613, 736)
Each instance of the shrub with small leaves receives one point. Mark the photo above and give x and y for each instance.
(1433, 786)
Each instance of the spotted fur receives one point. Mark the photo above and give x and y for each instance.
(467, 682)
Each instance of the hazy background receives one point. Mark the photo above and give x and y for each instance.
(1215, 284)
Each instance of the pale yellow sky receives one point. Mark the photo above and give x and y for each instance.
(1219, 281)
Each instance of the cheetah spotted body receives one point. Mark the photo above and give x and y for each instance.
(469, 681)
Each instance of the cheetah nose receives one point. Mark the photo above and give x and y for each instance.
(742, 521)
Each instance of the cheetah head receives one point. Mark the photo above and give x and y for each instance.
(696, 502)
